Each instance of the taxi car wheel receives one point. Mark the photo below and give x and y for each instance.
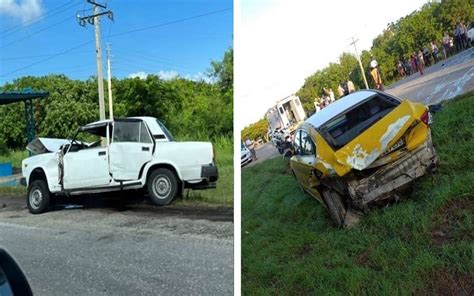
(162, 186)
(38, 197)
(336, 208)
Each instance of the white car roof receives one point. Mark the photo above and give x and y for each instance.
(338, 107)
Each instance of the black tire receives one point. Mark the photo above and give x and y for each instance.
(162, 186)
(38, 197)
(335, 206)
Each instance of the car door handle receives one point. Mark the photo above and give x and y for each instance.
(145, 148)
(101, 153)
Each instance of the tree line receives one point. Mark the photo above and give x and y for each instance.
(190, 109)
(398, 41)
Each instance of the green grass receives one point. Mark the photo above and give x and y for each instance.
(289, 246)
(14, 157)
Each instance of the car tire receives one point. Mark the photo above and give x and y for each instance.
(38, 197)
(162, 186)
(337, 210)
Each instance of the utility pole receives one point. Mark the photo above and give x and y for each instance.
(109, 83)
(95, 20)
(354, 41)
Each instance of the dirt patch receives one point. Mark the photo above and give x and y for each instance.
(442, 282)
(304, 251)
(364, 260)
(446, 229)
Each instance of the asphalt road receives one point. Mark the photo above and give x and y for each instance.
(131, 250)
(442, 81)
(264, 152)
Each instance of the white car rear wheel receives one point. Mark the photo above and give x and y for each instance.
(162, 186)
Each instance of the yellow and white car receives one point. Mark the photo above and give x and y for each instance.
(361, 149)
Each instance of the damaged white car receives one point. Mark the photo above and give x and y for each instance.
(113, 155)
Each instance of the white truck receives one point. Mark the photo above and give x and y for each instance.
(286, 114)
(126, 153)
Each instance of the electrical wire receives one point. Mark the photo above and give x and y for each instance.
(37, 32)
(15, 29)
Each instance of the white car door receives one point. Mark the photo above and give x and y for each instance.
(131, 148)
(86, 168)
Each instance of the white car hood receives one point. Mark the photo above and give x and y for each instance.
(46, 145)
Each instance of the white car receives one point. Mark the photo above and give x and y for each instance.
(245, 155)
(470, 34)
(127, 153)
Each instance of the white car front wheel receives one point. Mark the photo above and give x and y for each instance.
(162, 186)
(37, 198)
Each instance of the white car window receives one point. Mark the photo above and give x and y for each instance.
(126, 131)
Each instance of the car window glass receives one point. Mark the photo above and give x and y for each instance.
(144, 136)
(297, 143)
(307, 144)
(126, 131)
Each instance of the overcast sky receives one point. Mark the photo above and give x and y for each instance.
(280, 43)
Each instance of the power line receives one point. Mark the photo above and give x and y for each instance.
(170, 22)
(37, 32)
(115, 35)
(15, 29)
(47, 59)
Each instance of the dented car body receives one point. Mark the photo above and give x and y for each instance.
(126, 153)
(361, 149)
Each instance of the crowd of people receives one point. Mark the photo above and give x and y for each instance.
(431, 54)
(415, 62)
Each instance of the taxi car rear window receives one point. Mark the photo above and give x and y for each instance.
(344, 127)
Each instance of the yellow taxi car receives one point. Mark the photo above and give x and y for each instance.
(363, 148)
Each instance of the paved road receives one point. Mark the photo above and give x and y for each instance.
(264, 152)
(442, 81)
(131, 251)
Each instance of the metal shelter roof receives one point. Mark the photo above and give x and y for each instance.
(21, 96)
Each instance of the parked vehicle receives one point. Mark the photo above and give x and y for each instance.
(126, 153)
(362, 149)
(470, 34)
(286, 114)
(245, 155)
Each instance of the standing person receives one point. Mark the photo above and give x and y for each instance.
(329, 93)
(401, 70)
(251, 148)
(375, 73)
(463, 36)
(420, 62)
(350, 86)
(343, 89)
(446, 41)
(457, 38)
(426, 56)
(434, 51)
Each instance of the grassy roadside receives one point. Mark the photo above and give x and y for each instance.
(419, 245)
(222, 195)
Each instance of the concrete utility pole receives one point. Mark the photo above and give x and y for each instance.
(95, 20)
(354, 41)
(109, 83)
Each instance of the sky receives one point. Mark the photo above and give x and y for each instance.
(280, 43)
(40, 37)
